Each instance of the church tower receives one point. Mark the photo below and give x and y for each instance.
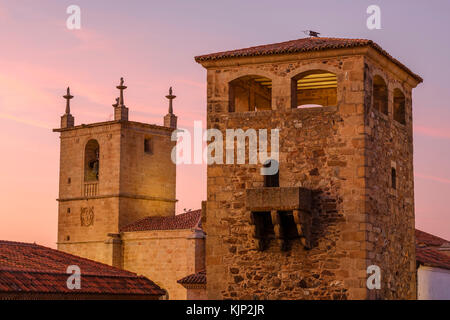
(341, 205)
(112, 174)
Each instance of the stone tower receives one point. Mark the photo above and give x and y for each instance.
(112, 174)
(343, 199)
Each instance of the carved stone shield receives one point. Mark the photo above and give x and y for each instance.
(87, 216)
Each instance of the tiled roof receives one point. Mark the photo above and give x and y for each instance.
(432, 258)
(427, 253)
(429, 239)
(31, 268)
(302, 45)
(188, 220)
(195, 278)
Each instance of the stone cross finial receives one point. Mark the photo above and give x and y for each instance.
(170, 96)
(121, 87)
(68, 96)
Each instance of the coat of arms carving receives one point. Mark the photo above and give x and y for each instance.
(87, 216)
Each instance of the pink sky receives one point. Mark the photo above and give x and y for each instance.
(152, 46)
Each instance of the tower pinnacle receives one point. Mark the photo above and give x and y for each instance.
(170, 96)
(67, 120)
(170, 120)
(68, 96)
(120, 110)
(121, 87)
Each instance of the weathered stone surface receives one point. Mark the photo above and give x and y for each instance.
(343, 154)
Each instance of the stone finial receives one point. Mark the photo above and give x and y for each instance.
(121, 87)
(170, 120)
(120, 110)
(170, 96)
(67, 120)
(68, 96)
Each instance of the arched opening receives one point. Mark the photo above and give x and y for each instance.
(91, 161)
(399, 106)
(380, 94)
(315, 88)
(250, 93)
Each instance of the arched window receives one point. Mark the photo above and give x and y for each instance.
(399, 106)
(250, 93)
(380, 94)
(314, 88)
(91, 161)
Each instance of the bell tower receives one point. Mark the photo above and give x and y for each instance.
(111, 174)
(342, 202)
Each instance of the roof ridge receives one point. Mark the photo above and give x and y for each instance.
(67, 255)
(162, 219)
(82, 274)
(300, 45)
(434, 236)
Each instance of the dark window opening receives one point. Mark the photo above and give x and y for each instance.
(264, 230)
(69, 181)
(399, 106)
(288, 228)
(272, 181)
(67, 238)
(393, 178)
(148, 146)
(380, 95)
(250, 93)
(314, 89)
(68, 210)
(91, 161)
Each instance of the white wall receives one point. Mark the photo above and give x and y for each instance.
(433, 283)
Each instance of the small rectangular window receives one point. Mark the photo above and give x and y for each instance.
(394, 178)
(68, 210)
(69, 180)
(148, 146)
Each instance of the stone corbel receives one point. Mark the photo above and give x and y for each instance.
(303, 220)
(276, 227)
(254, 232)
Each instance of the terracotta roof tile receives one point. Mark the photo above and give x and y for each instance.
(188, 220)
(195, 278)
(302, 45)
(424, 238)
(26, 267)
(432, 258)
(427, 250)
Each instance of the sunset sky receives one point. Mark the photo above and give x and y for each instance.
(152, 45)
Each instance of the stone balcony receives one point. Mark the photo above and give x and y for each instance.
(284, 212)
(279, 199)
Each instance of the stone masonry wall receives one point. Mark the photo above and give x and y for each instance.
(162, 256)
(344, 154)
(390, 225)
(321, 149)
(132, 185)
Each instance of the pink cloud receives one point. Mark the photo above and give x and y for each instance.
(432, 178)
(442, 133)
